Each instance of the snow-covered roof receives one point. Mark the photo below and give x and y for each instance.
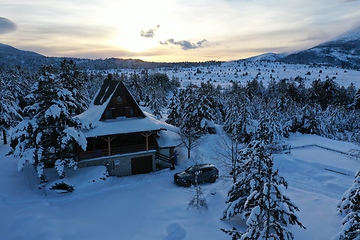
(93, 126)
(120, 125)
(168, 139)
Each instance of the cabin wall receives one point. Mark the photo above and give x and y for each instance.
(122, 105)
(124, 164)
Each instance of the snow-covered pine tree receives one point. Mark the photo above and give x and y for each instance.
(156, 91)
(346, 205)
(190, 122)
(211, 97)
(47, 138)
(334, 123)
(205, 107)
(350, 229)
(156, 101)
(306, 121)
(9, 108)
(250, 165)
(267, 210)
(74, 81)
(356, 101)
(176, 108)
(238, 117)
(246, 178)
(257, 194)
(134, 83)
(350, 207)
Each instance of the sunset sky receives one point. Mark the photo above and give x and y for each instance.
(173, 30)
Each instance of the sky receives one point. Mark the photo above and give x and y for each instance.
(173, 30)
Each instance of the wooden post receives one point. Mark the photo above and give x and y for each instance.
(109, 145)
(108, 140)
(147, 135)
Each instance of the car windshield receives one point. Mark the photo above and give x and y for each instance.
(191, 170)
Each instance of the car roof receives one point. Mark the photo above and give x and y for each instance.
(204, 165)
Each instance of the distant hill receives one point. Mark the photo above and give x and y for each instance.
(266, 57)
(343, 51)
(11, 57)
(7, 51)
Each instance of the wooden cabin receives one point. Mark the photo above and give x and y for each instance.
(120, 135)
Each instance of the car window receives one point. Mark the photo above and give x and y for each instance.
(207, 169)
(191, 170)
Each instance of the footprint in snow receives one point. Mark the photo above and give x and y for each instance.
(175, 232)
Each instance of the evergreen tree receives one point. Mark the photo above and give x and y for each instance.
(334, 123)
(211, 104)
(247, 172)
(190, 123)
(135, 86)
(356, 102)
(350, 229)
(74, 81)
(176, 107)
(306, 121)
(238, 117)
(346, 204)
(205, 107)
(257, 194)
(267, 210)
(156, 100)
(350, 206)
(9, 108)
(157, 89)
(48, 138)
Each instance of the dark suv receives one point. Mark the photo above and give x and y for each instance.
(205, 173)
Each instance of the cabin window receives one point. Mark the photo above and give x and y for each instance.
(120, 99)
(129, 112)
(110, 113)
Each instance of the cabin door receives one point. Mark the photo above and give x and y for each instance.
(141, 165)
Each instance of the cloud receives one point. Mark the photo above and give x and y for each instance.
(149, 33)
(6, 25)
(186, 45)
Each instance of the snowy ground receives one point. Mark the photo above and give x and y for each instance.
(244, 71)
(151, 206)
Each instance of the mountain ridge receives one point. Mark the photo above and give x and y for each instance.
(343, 51)
(7, 49)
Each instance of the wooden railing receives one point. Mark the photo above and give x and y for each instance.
(164, 160)
(114, 150)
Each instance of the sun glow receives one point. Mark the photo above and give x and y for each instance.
(133, 43)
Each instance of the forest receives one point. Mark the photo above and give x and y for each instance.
(38, 113)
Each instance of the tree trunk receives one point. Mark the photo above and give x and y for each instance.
(189, 146)
(4, 136)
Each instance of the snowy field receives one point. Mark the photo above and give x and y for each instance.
(247, 70)
(151, 206)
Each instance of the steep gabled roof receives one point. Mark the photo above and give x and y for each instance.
(107, 90)
(120, 125)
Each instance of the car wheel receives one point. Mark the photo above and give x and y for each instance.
(188, 183)
(212, 179)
